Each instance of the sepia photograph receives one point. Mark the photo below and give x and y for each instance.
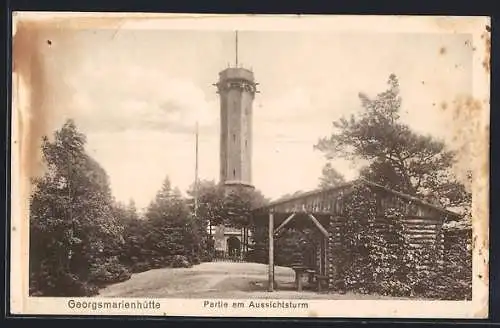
(234, 165)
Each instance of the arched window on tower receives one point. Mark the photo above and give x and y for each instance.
(234, 173)
(234, 137)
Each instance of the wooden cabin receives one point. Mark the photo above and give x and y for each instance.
(324, 210)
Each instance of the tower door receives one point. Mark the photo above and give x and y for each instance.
(233, 246)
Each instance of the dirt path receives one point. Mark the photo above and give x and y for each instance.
(215, 279)
(200, 279)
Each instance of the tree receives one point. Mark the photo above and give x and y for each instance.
(131, 211)
(289, 195)
(397, 157)
(228, 208)
(330, 177)
(73, 229)
(210, 202)
(170, 234)
(238, 206)
(134, 252)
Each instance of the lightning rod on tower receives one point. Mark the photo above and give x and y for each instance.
(236, 46)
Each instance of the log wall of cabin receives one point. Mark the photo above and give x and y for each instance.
(334, 249)
(422, 226)
(321, 247)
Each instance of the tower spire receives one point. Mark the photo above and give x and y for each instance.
(236, 50)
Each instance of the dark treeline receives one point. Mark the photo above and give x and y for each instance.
(82, 239)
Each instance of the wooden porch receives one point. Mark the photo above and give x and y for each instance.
(299, 220)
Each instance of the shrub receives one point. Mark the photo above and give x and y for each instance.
(453, 281)
(60, 283)
(111, 271)
(180, 261)
(206, 257)
(195, 260)
(377, 254)
(257, 255)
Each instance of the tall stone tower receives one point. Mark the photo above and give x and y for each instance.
(236, 88)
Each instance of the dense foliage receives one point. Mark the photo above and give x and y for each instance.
(232, 208)
(374, 258)
(397, 157)
(381, 259)
(81, 239)
(74, 233)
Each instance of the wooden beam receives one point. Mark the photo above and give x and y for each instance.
(270, 287)
(288, 219)
(320, 227)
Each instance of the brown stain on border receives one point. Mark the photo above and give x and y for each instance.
(27, 63)
(110, 21)
(45, 89)
(487, 55)
(32, 45)
(474, 135)
(454, 24)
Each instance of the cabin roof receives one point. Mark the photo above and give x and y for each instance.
(350, 184)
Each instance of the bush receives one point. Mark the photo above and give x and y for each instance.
(111, 271)
(57, 284)
(454, 279)
(206, 257)
(195, 260)
(257, 255)
(180, 261)
(381, 262)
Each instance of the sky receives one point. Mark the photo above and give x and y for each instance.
(137, 94)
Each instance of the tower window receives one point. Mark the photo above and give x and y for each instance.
(234, 137)
(246, 144)
(234, 173)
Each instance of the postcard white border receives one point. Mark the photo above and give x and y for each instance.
(477, 308)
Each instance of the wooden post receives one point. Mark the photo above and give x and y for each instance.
(270, 287)
(298, 280)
